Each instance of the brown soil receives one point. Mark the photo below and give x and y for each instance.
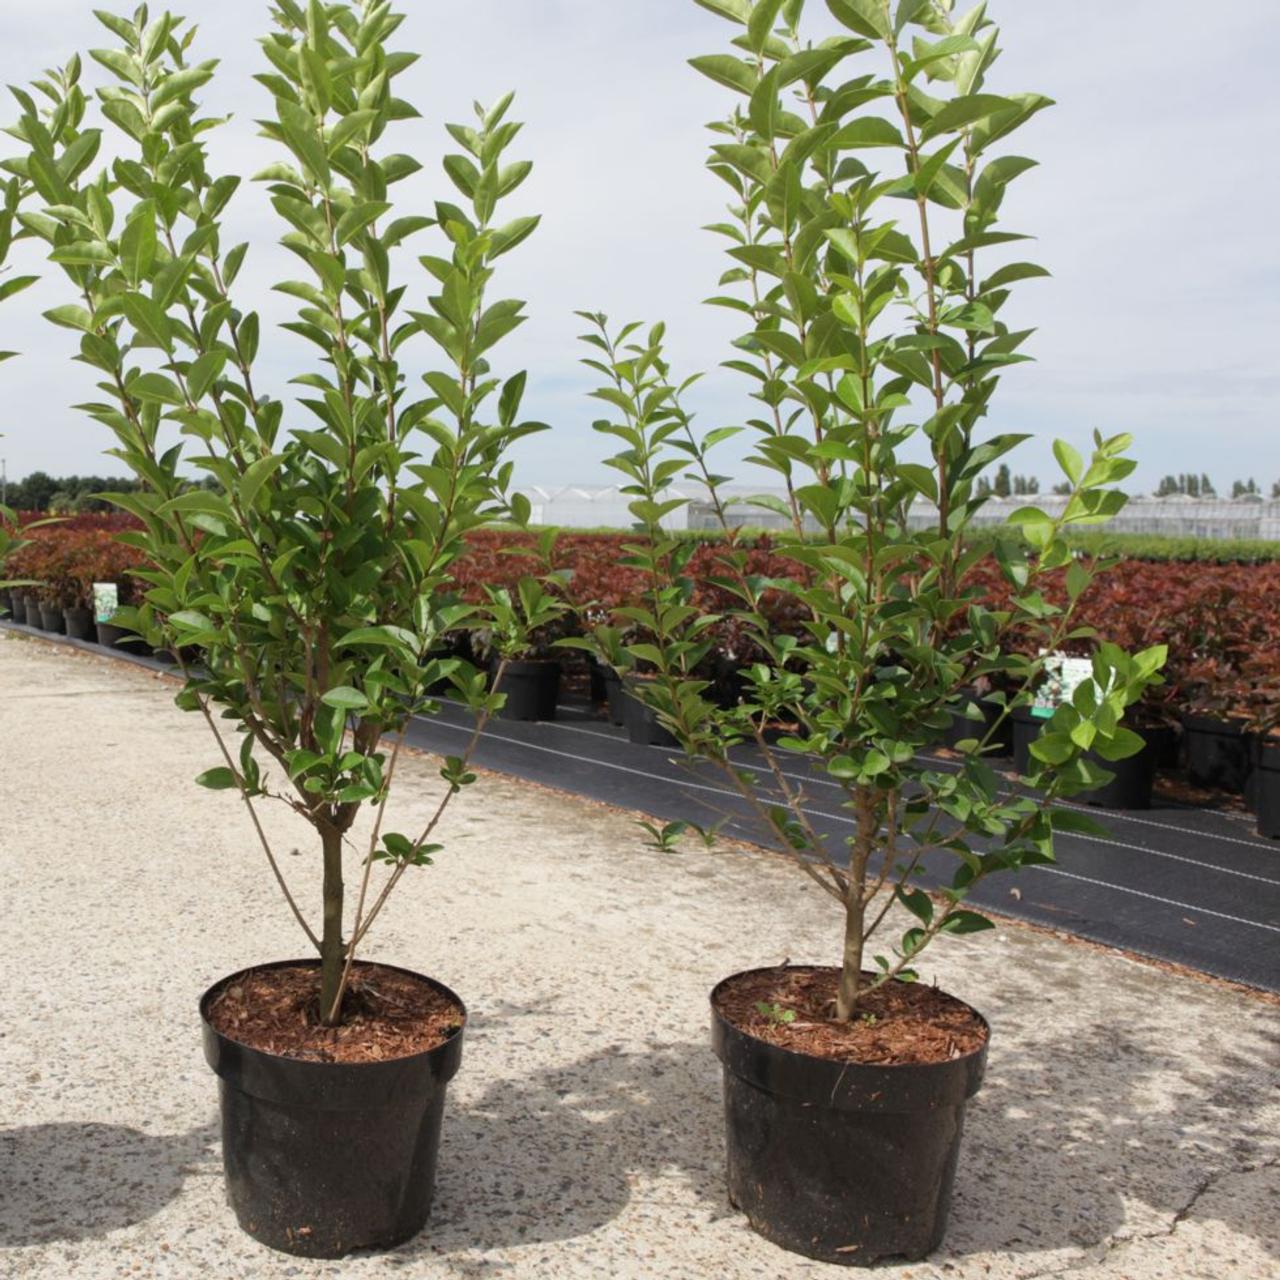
(1179, 789)
(387, 1014)
(898, 1024)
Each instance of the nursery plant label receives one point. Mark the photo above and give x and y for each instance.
(106, 600)
(1063, 676)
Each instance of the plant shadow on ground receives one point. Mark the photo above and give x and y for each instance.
(1071, 1133)
(1062, 1137)
(70, 1182)
(555, 1156)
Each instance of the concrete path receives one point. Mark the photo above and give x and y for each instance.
(1129, 1127)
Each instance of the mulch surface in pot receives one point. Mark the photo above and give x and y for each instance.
(386, 1014)
(896, 1025)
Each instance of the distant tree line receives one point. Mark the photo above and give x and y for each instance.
(1005, 485)
(69, 495)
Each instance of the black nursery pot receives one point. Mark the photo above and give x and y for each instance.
(15, 605)
(615, 696)
(1134, 779)
(838, 1161)
(1001, 744)
(643, 727)
(33, 612)
(1266, 787)
(109, 635)
(322, 1158)
(1026, 729)
(51, 619)
(596, 688)
(532, 689)
(1218, 753)
(79, 623)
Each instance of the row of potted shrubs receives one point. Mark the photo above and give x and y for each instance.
(1217, 714)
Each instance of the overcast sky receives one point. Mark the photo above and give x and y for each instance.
(1154, 207)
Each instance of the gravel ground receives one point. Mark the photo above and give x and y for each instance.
(1128, 1128)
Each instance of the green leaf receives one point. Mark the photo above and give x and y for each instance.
(149, 319)
(346, 698)
(729, 71)
(9, 287)
(302, 136)
(868, 131)
(1121, 745)
(204, 372)
(1076, 823)
(734, 10)
(84, 253)
(1053, 748)
(386, 636)
(1069, 460)
(961, 922)
(138, 245)
(255, 476)
(71, 317)
(866, 17)
(357, 218)
(155, 386)
(917, 902)
(180, 83)
(218, 780)
(764, 17)
(967, 110)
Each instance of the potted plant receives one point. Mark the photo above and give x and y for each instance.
(1262, 680)
(1217, 632)
(874, 345)
(525, 621)
(12, 192)
(1132, 781)
(12, 541)
(313, 566)
(78, 613)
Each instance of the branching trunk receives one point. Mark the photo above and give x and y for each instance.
(332, 947)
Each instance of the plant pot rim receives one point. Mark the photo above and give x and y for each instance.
(348, 1085)
(1224, 724)
(849, 1085)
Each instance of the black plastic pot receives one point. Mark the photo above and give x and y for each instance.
(837, 1161)
(109, 635)
(1134, 778)
(1218, 753)
(1001, 743)
(6, 605)
(595, 687)
(79, 623)
(614, 695)
(1266, 787)
(532, 689)
(32, 606)
(51, 619)
(1026, 729)
(643, 726)
(17, 607)
(322, 1158)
